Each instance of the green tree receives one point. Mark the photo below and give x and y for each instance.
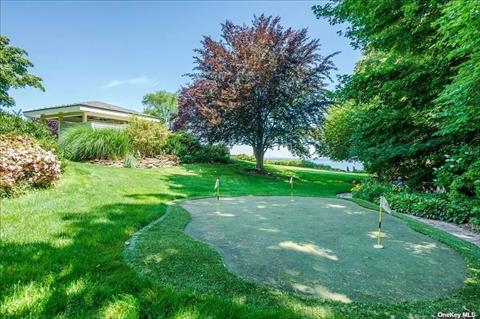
(337, 136)
(161, 104)
(14, 71)
(458, 105)
(416, 90)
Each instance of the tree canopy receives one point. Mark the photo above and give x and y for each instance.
(260, 85)
(161, 104)
(411, 108)
(14, 71)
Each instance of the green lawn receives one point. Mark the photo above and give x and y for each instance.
(62, 249)
(320, 247)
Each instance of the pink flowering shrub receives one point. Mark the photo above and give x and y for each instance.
(23, 162)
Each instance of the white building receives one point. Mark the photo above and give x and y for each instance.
(93, 113)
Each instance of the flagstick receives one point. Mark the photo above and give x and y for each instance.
(291, 189)
(217, 188)
(378, 245)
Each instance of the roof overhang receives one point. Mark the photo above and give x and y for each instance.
(73, 110)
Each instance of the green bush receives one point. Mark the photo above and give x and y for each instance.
(189, 150)
(213, 154)
(371, 190)
(147, 138)
(183, 145)
(429, 205)
(82, 143)
(461, 177)
(14, 124)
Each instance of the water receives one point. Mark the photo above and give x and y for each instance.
(283, 153)
(327, 161)
(340, 165)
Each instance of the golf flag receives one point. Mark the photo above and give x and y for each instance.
(291, 182)
(217, 188)
(384, 204)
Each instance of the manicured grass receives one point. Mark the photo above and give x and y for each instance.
(319, 247)
(61, 253)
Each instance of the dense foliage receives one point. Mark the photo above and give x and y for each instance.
(429, 205)
(81, 143)
(189, 150)
(261, 85)
(411, 108)
(140, 139)
(146, 138)
(15, 125)
(14, 71)
(161, 104)
(24, 163)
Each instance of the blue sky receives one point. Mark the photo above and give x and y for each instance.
(118, 51)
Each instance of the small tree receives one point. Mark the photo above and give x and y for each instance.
(261, 85)
(161, 104)
(14, 71)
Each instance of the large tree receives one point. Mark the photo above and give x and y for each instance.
(161, 104)
(260, 85)
(407, 65)
(413, 99)
(14, 71)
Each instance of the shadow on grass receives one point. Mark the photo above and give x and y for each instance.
(81, 272)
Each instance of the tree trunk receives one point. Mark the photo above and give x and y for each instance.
(259, 154)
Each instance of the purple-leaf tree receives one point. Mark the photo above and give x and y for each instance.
(260, 85)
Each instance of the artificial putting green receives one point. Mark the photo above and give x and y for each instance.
(323, 248)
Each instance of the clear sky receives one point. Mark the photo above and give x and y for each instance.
(117, 52)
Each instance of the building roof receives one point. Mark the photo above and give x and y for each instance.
(95, 104)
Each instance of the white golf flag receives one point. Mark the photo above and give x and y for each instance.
(217, 184)
(291, 180)
(384, 204)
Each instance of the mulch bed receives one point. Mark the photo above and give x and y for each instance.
(148, 162)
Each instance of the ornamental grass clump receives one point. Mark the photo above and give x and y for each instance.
(24, 163)
(81, 143)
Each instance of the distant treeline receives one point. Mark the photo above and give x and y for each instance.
(290, 162)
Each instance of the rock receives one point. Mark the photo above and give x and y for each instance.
(150, 162)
